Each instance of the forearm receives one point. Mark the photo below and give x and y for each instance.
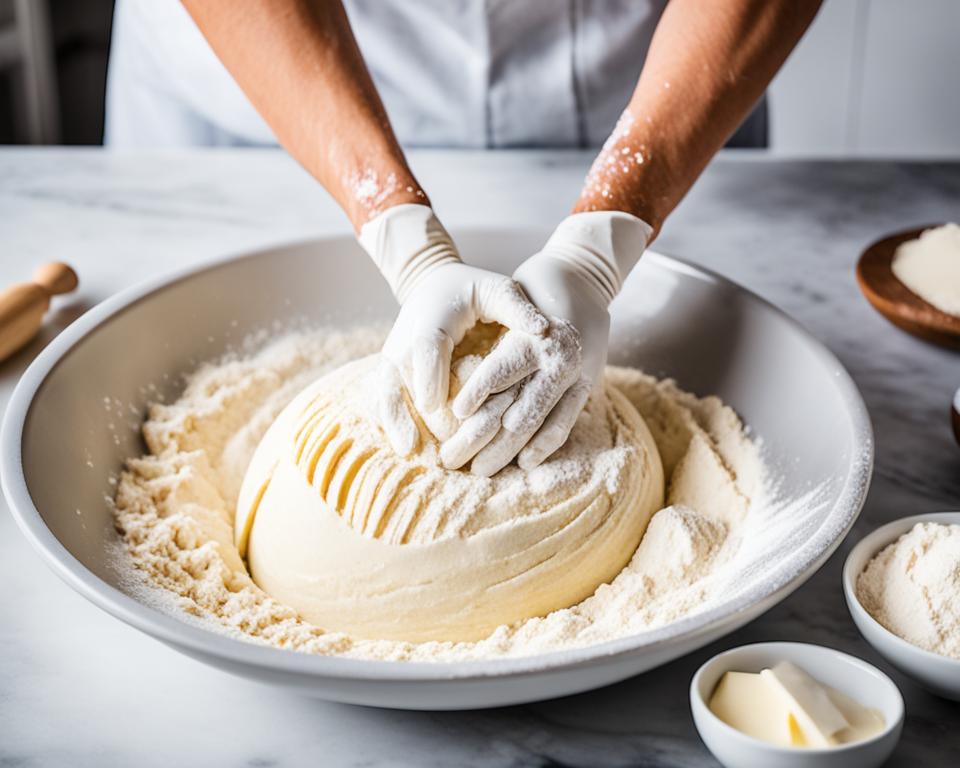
(309, 82)
(707, 66)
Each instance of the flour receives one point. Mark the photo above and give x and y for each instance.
(371, 193)
(930, 267)
(912, 587)
(175, 507)
(617, 157)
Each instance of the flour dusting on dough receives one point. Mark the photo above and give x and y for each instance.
(175, 508)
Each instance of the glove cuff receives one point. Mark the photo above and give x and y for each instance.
(603, 246)
(406, 242)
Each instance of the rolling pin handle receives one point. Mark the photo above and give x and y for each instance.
(56, 278)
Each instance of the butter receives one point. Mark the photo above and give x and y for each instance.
(787, 707)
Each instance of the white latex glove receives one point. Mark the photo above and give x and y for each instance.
(441, 298)
(572, 280)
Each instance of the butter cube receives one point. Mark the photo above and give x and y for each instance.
(787, 707)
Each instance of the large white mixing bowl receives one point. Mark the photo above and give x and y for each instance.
(60, 445)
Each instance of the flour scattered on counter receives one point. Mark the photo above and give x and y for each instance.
(175, 509)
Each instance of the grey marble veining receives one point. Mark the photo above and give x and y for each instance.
(79, 688)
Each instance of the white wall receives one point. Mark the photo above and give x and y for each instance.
(873, 78)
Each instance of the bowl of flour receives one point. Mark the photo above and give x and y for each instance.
(149, 408)
(902, 587)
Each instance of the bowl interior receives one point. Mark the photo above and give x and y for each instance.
(93, 384)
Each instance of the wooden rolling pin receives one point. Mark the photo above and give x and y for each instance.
(23, 306)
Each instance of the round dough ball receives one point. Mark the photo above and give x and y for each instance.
(359, 540)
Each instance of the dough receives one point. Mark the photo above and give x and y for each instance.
(176, 507)
(359, 540)
(930, 267)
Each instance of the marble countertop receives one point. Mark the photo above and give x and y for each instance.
(79, 688)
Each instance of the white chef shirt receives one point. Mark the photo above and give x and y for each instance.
(454, 73)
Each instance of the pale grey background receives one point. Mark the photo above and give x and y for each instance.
(872, 77)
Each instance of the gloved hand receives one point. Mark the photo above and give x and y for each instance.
(441, 298)
(572, 281)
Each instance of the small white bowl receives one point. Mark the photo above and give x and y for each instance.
(854, 677)
(938, 674)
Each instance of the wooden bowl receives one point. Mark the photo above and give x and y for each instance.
(895, 301)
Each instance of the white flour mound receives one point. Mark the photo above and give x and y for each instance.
(912, 587)
(175, 509)
(930, 267)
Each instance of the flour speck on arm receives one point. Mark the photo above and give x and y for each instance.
(370, 191)
(617, 159)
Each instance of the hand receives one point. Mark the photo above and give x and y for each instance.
(572, 280)
(441, 298)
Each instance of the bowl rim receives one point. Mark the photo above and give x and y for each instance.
(198, 640)
(699, 704)
(869, 547)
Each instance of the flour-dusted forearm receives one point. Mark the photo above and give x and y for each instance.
(300, 66)
(707, 66)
